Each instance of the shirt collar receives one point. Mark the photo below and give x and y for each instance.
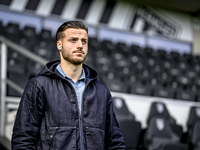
(64, 75)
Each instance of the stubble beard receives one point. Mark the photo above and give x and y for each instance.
(75, 61)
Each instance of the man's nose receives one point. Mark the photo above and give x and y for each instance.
(79, 43)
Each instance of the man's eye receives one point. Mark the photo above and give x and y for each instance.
(84, 41)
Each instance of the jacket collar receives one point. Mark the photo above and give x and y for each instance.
(50, 70)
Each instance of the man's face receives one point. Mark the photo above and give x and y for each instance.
(74, 46)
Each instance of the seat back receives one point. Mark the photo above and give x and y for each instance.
(130, 128)
(121, 110)
(194, 116)
(159, 109)
(158, 132)
(195, 137)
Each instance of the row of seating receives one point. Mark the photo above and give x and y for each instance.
(122, 68)
(162, 132)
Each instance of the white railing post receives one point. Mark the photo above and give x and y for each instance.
(3, 85)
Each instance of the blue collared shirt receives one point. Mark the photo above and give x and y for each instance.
(79, 86)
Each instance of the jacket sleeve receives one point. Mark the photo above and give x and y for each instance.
(27, 121)
(114, 137)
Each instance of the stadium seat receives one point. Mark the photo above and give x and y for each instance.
(113, 82)
(195, 137)
(141, 89)
(45, 35)
(194, 116)
(1, 28)
(16, 62)
(108, 46)
(160, 109)
(160, 136)
(43, 49)
(94, 44)
(121, 110)
(163, 91)
(19, 79)
(33, 68)
(12, 32)
(186, 94)
(28, 33)
(130, 128)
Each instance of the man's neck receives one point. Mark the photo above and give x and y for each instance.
(72, 71)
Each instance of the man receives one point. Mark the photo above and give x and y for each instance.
(64, 107)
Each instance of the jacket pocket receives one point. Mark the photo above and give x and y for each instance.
(62, 138)
(94, 138)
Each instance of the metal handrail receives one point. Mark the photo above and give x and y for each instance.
(4, 80)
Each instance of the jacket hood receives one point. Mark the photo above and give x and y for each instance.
(50, 70)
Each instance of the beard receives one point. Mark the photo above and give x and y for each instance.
(75, 60)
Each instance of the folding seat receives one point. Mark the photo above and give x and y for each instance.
(186, 94)
(162, 54)
(94, 44)
(108, 46)
(194, 116)
(174, 71)
(119, 61)
(195, 137)
(160, 136)
(43, 49)
(122, 48)
(19, 79)
(136, 50)
(1, 28)
(175, 55)
(160, 109)
(28, 37)
(141, 89)
(101, 60)
(16, 62)
(45, 35)
(113, 82)
(130, 128)
(183, 80)
(164, 78)
(163, 91)
(12, 32)
(33, 68)
(186, 57)
(121, 110)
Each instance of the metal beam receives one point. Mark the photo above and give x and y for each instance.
(24, 51)
(3, 85)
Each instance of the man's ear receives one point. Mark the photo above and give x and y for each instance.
(59, 45)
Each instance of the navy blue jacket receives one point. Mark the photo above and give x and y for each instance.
(48, 117)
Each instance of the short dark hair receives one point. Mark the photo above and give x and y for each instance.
(69, 24)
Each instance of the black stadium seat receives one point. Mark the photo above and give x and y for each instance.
(12, 31)
(193, 118)
(160, 109)
(160, 136)
(195, 137)
(130, 128)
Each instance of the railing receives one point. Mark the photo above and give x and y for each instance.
(4, 44)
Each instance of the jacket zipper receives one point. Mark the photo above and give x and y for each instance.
(80, 115)
(81, 119)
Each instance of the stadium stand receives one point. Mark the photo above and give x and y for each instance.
(130, 69)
